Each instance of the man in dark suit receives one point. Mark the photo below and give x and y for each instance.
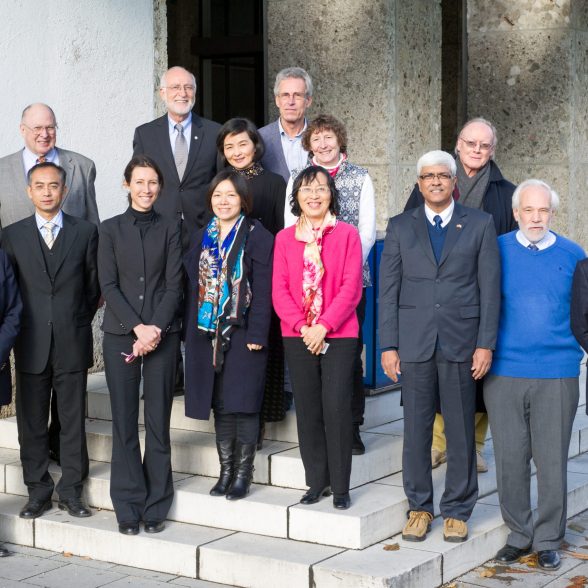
(283, 137)
(439, 310)
(183, 145)
(54, 257)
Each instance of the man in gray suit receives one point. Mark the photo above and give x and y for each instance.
(38, 127)
(439, 311)
(283, 138)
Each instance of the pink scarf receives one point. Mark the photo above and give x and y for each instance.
(313, 269)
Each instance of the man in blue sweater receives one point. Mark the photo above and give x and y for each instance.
(531, 392)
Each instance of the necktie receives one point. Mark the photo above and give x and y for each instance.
(437, 220)
(48, 234)
(41, 159)
(181, 151)
(532, 247)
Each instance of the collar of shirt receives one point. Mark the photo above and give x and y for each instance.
(445, 214)
(30, 159)
(284, 134)
(186, 124)
(546, 242)
(57, 220)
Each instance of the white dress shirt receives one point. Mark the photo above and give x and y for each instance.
(546, 242)
(445, 214)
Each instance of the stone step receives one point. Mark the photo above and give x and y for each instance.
(379, 409)
(278, 463)
(245, 559)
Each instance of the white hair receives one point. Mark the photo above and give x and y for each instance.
(437, 158)
(293, 72)
(483, 121)
(164, 76)
(553, 196)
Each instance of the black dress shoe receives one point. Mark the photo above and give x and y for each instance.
(75, 507)
(548, 559)
(154, 526)
(342, 501)
(4, 552)
(509, 554)
(313, 496)
(128, 528)
(357, 447)
(35, 508)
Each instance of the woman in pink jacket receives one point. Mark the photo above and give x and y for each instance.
(317, 285)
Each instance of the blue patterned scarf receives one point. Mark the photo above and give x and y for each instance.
(224, 293)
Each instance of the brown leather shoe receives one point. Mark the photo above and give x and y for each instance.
(454, 530)
(418, 525)
(437, 458)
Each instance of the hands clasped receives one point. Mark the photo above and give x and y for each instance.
(148, 338)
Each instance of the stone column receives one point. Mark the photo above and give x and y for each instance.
(528, 73)
(375, 65)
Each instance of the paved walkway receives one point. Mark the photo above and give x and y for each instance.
(36, 567)
(573, 572)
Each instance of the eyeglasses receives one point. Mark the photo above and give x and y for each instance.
(321, 190)
(286, 97)
(188, 88)
(50, 129)
(443, 176)
(474, 144)
(229, 196)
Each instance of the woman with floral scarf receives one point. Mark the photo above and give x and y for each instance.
(228, 308)
(317, 284)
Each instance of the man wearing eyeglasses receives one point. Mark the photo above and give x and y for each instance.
(283, 137)
(183, 145)
(38, 127)
(439, 304)
(481, 185)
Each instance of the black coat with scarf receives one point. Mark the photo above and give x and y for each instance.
(243, 370)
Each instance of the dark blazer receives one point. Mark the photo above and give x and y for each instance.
(141, 280)
(243, 377)
(60, 310)
(80, 200)
(182, 196)
(579, 308)
(457, 300)
(268, 191)
(497, 200)
(10, 310)
(273, 159)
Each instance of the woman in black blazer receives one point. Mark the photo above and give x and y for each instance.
(228, 310)
(140, 272)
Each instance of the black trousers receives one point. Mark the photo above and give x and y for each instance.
(358, 401)
(323, 386)
(141, 489)
(457, 394)
(33, 396)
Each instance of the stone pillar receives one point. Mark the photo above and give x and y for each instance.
(375, 65)
(528, 74)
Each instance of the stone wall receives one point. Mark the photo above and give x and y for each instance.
(528, 73)
(375, 65)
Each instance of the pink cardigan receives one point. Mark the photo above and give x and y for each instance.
(342, 281)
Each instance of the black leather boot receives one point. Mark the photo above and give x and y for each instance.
(244, 456)
(225, 450)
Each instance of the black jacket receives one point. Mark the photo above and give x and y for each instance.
(59, 310)
(141, 280)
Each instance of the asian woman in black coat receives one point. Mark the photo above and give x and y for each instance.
(228, 309)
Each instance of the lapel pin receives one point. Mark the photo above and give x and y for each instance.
(458, 227)
(195, 137)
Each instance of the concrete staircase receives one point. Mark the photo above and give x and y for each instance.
(269, 538)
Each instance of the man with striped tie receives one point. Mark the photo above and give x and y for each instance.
(54, 259)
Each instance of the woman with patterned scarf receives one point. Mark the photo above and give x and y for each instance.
(228, 308)
(317, 284)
